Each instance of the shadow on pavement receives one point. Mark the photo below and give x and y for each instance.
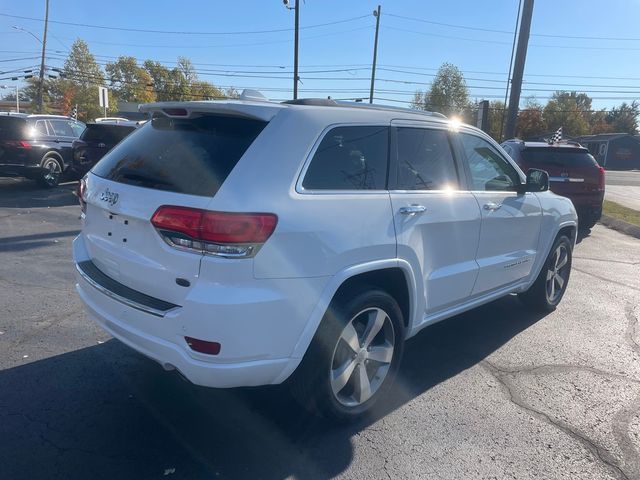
(107, 412)
(21, 193)
(28, 242)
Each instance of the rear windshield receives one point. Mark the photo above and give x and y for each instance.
(12, 128)
(192, 156)
(107, 134)
(561, 157)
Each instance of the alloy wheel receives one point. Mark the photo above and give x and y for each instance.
(52, 171)
(362, 357)
(557, 273)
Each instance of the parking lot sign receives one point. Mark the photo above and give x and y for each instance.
(103, 98)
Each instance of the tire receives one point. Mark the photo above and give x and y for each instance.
(53, 171)
(588, 222)
(544, 295)
(341, 344)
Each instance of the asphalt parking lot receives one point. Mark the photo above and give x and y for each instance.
(494, 393)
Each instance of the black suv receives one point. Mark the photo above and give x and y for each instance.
(96, 140)
(37, 146)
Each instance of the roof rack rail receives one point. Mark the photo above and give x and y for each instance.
(377, 106)
(328, 102)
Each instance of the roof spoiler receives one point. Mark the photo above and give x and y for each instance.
(264, 111)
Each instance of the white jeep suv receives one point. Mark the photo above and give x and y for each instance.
(248, 243)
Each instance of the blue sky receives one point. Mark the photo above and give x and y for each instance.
(335, 59)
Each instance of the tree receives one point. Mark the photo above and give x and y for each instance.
(448, 93)
(201, 90)
(496, 112)
(30, 93)
(169, 84)
(598, 122)
(569, 110)
(624, 119)
(130, 82)
(81, 78)
(531, 121)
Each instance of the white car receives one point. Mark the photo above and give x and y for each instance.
(248, 242)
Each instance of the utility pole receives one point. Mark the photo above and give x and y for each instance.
(518, 69)
(295, 53)
(506, 90)
(44, 46)
(376, 13)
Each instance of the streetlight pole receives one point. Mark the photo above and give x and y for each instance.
(44, 47)
(376, 13)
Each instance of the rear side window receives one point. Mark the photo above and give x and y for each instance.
(350, 158)
(12, 128)
(192, 156)
(425, 161)
(41, 127)
(107, 134)
(560, 157)
(61, 128)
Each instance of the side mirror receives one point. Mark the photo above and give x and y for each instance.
(537, 180)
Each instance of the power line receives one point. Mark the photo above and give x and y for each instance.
(497, 42)
(363, 65)
(172, 32)
(228, 45)
(543, 35)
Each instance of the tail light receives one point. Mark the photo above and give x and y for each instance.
(19, 144)
(602, 179)
(82, 194)
(231, 235)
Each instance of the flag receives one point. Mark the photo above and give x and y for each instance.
(74, 112)
(556, 136)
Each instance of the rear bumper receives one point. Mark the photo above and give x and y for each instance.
(258, 327)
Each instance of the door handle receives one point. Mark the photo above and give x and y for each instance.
(492, 206)
(412, 209)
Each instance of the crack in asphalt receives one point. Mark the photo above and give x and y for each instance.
(606, 260)
(632, 329)
(567, 367)
(600, 277)
(592, 446)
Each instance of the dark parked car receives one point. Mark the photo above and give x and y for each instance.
(37, 146)
(573, 173)
(96, 140)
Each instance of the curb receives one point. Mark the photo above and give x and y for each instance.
(620, 226)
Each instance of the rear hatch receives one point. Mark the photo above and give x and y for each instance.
(168, 161)
(96, 140)
(572, 171)
(13, 140)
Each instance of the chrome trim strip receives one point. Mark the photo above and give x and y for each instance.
(121, 299)
(566, 179)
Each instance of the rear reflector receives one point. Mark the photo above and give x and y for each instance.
(215, 233)
(203, 346)
(602, 180)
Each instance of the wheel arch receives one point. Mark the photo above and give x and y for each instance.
(384, 274)
(56, 155)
